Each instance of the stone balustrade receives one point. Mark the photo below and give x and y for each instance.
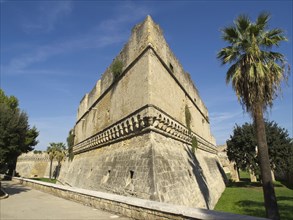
(147, 119)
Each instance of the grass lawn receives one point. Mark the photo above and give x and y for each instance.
(246, 198)
(45, 180)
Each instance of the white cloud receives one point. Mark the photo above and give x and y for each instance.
(49, 14)
(104, 34)
(222, 124)
(219, 117)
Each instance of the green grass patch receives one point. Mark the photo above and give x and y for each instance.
(47, 180)
(244, 175)
(246, 198)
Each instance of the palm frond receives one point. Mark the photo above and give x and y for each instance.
(228, 54)
(273, 38)
(252, 71)
(242, 23)
(263, 19)
(274, 32)
(230, 34)
(260, 70)
(230, 73)
(255, 72)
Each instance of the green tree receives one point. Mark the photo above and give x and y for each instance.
(56, 151)
(16, 135)
(38, 152)
(256, 73)
(241, 148)
(280, 148)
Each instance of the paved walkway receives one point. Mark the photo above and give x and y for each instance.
(26, 203)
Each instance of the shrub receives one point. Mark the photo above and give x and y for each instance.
(116, 68)
(194, 144)
(187, 118)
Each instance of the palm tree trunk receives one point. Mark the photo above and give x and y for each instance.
(58, 169)
(271, 205)
(50, 175)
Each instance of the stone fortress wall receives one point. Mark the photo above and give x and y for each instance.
(131, 136)
(228, 166)
(145, 52)
(34, 165)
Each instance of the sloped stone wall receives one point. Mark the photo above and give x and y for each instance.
(184, 178)
(150, 166)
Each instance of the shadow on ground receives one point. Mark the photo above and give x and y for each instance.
(1, 193)
(254, 208)
(244, 183)
(287, 184)
(13, 188)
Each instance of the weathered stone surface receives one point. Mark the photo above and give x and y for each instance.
(228, 166)
(131, 207)
(34, 165)
(131, 136)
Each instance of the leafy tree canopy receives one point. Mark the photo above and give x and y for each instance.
(241, 147)
(16, 135)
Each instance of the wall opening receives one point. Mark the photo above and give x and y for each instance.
(131, 174)
(129, 180)
(171, 67)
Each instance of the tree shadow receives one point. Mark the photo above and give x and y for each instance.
(13, 188)
(56, 171)
(285, 198)
(287, 184)
(244, 179)
(223, 174)
(254, 208)
(245, 183)
(200, 177)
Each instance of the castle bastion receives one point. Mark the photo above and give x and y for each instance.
(134, 132)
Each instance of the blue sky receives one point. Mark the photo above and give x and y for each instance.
(53, 52)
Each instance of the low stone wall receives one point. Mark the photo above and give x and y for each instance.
(128, 206)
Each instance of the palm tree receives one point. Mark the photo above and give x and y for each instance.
(55, 150)
(256, 73)
(60, 155)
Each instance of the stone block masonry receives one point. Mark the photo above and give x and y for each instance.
(35, 165)
(130, 207)
(131, 134)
